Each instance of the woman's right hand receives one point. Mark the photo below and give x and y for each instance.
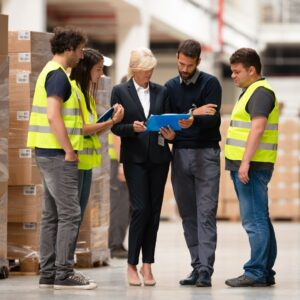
(139, 126)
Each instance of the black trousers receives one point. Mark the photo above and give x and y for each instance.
(146, 183)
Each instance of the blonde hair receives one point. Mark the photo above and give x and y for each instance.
(141, 59)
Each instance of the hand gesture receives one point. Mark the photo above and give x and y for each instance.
(207, 109)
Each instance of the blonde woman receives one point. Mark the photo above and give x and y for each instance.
(145, 156)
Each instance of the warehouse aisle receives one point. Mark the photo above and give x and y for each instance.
(172, 265)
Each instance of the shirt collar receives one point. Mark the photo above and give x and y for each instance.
(191, 80)
(139, 88)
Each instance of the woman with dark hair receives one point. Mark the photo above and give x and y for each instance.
(84, 80)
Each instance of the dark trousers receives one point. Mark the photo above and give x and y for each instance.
(195, 179)
(84, 188)
(146, 183)
(119, 208)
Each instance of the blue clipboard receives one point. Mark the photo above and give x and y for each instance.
(107, 115)
(155, 122)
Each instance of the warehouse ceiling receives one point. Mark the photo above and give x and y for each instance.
(96, 18)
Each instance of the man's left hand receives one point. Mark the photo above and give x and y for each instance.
(168, 133)
(186, 123)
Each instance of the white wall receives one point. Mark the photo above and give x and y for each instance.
(25, 14)
(287, 91)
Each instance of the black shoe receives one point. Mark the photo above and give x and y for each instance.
(191, 279)
(270, 281)
(46, 283)
(244, 281)
(204, 279)
(75, 281)
(119, 253)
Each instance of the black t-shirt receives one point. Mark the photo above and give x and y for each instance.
(56, 84)
(261, 103)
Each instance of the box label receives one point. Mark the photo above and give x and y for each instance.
(29, 190)
(24, 57)
(29, 226)
(22, 77)
(23, 115)
(25, 153)
(24, 35)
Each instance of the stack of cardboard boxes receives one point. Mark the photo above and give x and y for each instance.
(4, 67)
(28, 53)
(284, 189)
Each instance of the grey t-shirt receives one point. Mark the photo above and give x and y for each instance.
(261, 103)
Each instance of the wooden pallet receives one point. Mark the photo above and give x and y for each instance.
(21, 267)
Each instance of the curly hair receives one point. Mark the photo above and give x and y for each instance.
(82, 73)
(66, 39)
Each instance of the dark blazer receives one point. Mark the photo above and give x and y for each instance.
(140, 147)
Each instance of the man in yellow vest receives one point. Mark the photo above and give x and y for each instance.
(55, 132)
(250, 153)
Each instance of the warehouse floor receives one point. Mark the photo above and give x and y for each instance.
(172, 264)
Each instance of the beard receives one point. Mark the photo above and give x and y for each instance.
(186, 75)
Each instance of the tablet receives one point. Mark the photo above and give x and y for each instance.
(107, 115)
(155, 122)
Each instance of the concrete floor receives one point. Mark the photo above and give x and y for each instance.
(172, 264)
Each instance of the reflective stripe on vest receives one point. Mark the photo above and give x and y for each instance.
(242, 124)
(90, 156)
(40, 134)
(65, 111)
(111, 149)
(240, 127)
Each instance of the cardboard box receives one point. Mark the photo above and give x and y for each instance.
(4, 69)
(27, 61)
(3, 34)
(3, 160)
(94, 238)
(23, 235)
(18, 128)
(29, 41)
(22, 167)
(21, 85)
(24, 203)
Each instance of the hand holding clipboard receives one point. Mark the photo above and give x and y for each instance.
(116, 113)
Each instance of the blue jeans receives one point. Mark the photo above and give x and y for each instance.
(254, 210)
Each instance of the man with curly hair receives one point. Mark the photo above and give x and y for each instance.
(55, 132)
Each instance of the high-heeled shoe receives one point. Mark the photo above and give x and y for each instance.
(133, 281)
(147, 282)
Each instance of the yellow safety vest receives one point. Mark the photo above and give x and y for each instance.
(240, 126)
(39, 131)
(89, 157)
(111, 149)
